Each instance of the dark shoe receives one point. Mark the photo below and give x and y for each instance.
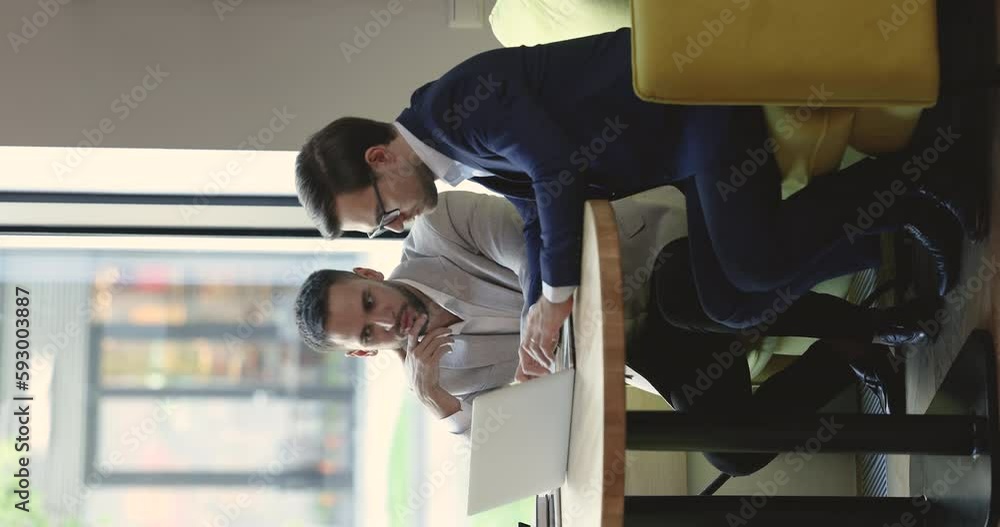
(941, 236)
(907, 323)
(883, 374)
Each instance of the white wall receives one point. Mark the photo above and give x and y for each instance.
(225, 75)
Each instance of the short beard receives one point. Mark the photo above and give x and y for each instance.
(426, 179)
(413, 301)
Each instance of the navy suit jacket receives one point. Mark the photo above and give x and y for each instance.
(557, 124)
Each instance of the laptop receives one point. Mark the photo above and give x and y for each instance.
(519, 441)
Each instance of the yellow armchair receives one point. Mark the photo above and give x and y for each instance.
(834, 80)
(837, 81)
(781, 52)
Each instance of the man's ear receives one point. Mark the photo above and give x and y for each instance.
(362, 353)
(370, 274)
(377, 154)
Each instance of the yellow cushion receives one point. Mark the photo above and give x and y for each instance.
(880, 130)
(808, 141)
(778, 52)
(532, 22)
(811, 142)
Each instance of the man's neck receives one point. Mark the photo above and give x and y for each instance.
(404, 146)
(438, 316)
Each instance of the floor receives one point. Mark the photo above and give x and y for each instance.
(970, 306)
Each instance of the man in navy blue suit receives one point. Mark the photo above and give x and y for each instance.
(551, 126)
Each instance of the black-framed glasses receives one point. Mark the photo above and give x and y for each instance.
(382, 217)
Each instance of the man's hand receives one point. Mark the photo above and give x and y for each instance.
(541, 333)
(528, 368)
(422, 358)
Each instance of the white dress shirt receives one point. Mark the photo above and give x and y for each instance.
(453, 173)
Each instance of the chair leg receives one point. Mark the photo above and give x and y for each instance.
(727, 511)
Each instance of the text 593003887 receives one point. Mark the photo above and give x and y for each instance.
(22, 405)
(22, 334)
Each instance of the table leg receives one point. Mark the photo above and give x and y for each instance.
(676, 431)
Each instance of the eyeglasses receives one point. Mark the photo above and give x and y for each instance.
(383, 218)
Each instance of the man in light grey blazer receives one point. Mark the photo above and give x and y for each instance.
(460, 285)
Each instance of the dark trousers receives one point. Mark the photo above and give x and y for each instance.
(700, 366)
(675, 298)
(745, 238)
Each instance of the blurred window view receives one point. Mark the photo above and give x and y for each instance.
(197, 398)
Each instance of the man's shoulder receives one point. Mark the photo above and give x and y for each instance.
(449, 203)
(450, 108)
(432, 228)
(458, 205)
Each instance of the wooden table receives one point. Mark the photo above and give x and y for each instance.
(594, 491)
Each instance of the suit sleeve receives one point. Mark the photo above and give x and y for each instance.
(531, 277)
(517, 127)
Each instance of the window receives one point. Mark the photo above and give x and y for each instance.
(196, 396)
